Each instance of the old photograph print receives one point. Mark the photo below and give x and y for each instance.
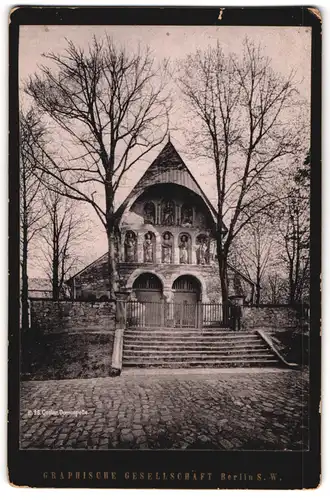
(164, 237)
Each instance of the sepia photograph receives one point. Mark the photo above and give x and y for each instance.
(164, 237)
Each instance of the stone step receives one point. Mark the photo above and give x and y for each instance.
(171, 338)
(177, 330)
(190, 347)
(194, 348)
(192, 341)
(200, 355)
(169, 331)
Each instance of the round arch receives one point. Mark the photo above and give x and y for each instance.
(198, 277)
(187, 282)
(135, 274)
(148, 281)
(148, 288)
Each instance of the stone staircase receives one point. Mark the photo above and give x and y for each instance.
(183, 348)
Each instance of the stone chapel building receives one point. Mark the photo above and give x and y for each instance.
(168, 248)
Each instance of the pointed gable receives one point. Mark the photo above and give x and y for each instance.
(168, 167)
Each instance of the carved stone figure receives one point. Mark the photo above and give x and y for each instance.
(148, 248)
(202, 252)
(167, 249)
(200, 220)
(212, 250)
(149, 213)
(184, 257)
(130, 245)
(168, 214)
(186, 216)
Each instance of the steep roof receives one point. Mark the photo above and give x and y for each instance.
(40, 284)
(168, 167)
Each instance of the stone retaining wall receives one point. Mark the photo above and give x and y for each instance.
(66, 316)
(68, 339)
(275, 317)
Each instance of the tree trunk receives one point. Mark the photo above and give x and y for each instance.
(221, 254)
(291, 283)
(296, 297)
(258, 280)
(55, 266)
(222, 263)
(111, 226)
(25, 283)
(257, 293)
(55, 283)
(224, 288)
(112, 264)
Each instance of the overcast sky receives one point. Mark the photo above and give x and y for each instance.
(288, 48)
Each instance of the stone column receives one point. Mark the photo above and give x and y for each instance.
(158, 248)
(193, 250)
(176, 250)
(168, 307)
(122, 251)
(168, 294)
(139, 252)
(200, 319)
(178, 207)
(158, 214)
(117, 352)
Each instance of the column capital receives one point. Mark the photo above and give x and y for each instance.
(168, 294)
(193, 252)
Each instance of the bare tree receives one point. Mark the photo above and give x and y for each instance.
(275, 286)
(31, 213)
(243, 120)
(295, 232)
(110, 107)
(64, 230)
(253, 250)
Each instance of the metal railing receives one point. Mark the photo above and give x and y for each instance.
(212, 314)
(174, 314)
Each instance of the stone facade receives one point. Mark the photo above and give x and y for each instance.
(167, 228)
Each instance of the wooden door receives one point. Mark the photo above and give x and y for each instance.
(185, 310)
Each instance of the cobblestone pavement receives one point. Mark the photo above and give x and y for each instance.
(229, 410)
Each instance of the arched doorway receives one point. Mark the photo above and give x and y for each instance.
(148, 288)
(148, 307)
(186, 295)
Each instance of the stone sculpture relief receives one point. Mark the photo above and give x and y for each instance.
(184, 250)
(202, 251)
(149, 213)
(186, 216)
(148, 248)
(212, 250)
(167, 249)
(130, 246)
(168, 213)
